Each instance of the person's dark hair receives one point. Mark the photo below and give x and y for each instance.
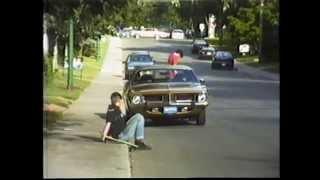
(115, 96)
(180, 52)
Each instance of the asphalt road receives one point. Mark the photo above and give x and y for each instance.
(240, 138)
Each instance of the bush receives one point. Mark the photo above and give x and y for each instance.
(89, 50)
(213, 41)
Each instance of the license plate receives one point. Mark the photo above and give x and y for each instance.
(170, 110)
(208, 53)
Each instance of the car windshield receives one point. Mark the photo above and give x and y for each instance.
(164, 76)
(224, 55)
(140, 58)
(178, 31)
(201, 42)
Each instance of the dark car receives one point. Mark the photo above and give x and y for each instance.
(223, 59)
(164, 92)
(206, 53)
(198, 44)
(135, 60)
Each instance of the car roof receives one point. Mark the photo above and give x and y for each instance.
(180, 67)
(223, 52)
(140, 53)
(208, 48)
(218, 53)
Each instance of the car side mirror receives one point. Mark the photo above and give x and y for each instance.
(202, 81)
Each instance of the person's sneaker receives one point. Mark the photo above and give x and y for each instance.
(142, 146)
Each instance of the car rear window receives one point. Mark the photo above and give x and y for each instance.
(178, 31)
(164, 76)
(224, 55)
(140, 58)
(200, 42)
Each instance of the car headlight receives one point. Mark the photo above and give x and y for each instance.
(202, 98)
(137, 99)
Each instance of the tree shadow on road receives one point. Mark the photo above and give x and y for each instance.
(72, 137)
(61, 124)
(90, 138)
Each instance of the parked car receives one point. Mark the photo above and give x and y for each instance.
(125, 33)
(206, 53)
(223, 59)
(177, 34)
(164, 92)
(135, 33)
(148, 32)
(198, 44)
(163, 33)
(135, 60)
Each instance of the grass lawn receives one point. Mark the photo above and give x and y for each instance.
(266, 66)
(58, 94)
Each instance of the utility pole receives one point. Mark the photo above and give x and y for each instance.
(70, 53)
(98, 49)
(261, 28)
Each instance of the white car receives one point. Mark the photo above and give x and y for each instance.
(163, 33)
(148, 32)
(177, 34)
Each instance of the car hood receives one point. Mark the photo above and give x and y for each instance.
(140, 64)
(156, 88)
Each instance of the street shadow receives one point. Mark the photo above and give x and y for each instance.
(168, 122)
(243, 90)
(101, 115)
(151, 49)
(89, 138)
(179, 42)
(51, 134)
(163, 49)
(252, 159)
(72, 137)
(61, 124)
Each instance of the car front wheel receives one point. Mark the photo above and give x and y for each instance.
(201, 119)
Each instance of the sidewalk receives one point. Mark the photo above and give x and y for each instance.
(258, 72)
(77, 152)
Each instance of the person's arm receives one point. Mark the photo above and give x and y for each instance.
(106, 130)
(123, 107)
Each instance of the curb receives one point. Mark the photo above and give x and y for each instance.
(109, 63)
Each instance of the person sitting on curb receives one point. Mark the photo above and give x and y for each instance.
(120, 126)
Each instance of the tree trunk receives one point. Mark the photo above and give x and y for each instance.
(61, 50)
(51, 39)
(81, 49)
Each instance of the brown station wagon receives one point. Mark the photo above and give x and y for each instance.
(162, 92)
